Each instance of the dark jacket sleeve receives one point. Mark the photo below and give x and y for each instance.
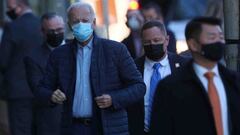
(6, 47)
(34, 73)
(48, 83)
(135, 88)
(6, 50)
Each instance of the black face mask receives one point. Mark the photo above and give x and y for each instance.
(213, 51)
(54, 40)
(154, 51)
(12, 14)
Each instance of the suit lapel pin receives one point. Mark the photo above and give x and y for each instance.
(177, 65)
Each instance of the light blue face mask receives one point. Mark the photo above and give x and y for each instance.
(82, 31)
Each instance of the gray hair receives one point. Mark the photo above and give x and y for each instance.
(81, 4)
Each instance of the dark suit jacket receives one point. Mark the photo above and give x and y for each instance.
(19, 37)
(35, 64)
(112, 72)
(136, 111)
(46, 119)
(129, 42)
(181, 105)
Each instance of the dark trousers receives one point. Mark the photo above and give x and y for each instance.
(46, 120)
(80, 129)
(145, 133)
(20, 116)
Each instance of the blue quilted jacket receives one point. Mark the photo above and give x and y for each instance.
(112, 72)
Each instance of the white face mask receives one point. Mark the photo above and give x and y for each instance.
(133, 23)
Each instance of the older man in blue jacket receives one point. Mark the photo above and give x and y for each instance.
(96, 80)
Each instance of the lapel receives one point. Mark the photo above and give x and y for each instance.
(229, 82)
(72, 68)
(140, 64)
(46, 51)
(190, 77)
(97, 67)
(173, 61)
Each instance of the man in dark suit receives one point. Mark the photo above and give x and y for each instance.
(97, 79)
(155, 41)
(46, 120)
(19, 37)
(133, 43)
(203, 97)
(152, 11)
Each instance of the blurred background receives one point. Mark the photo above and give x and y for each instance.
(111, 14)
(111, 23)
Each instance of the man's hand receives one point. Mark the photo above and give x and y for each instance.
(58, 97)
(104, 101)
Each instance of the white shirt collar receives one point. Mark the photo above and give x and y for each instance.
(200, 70)
(52, 48)
(164, 62)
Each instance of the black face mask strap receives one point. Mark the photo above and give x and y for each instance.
(198, 42)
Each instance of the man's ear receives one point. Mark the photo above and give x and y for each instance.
(167, 40)
(192, 45)
(69, 26)
(94, 23)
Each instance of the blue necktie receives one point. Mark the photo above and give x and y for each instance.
(156, 77)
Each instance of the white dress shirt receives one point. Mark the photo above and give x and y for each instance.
(164, 70)
(200, 71)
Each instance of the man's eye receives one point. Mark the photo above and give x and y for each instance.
(157, 40)
(85, 21)
(75, 22)
(212, 38)
(145, 42)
